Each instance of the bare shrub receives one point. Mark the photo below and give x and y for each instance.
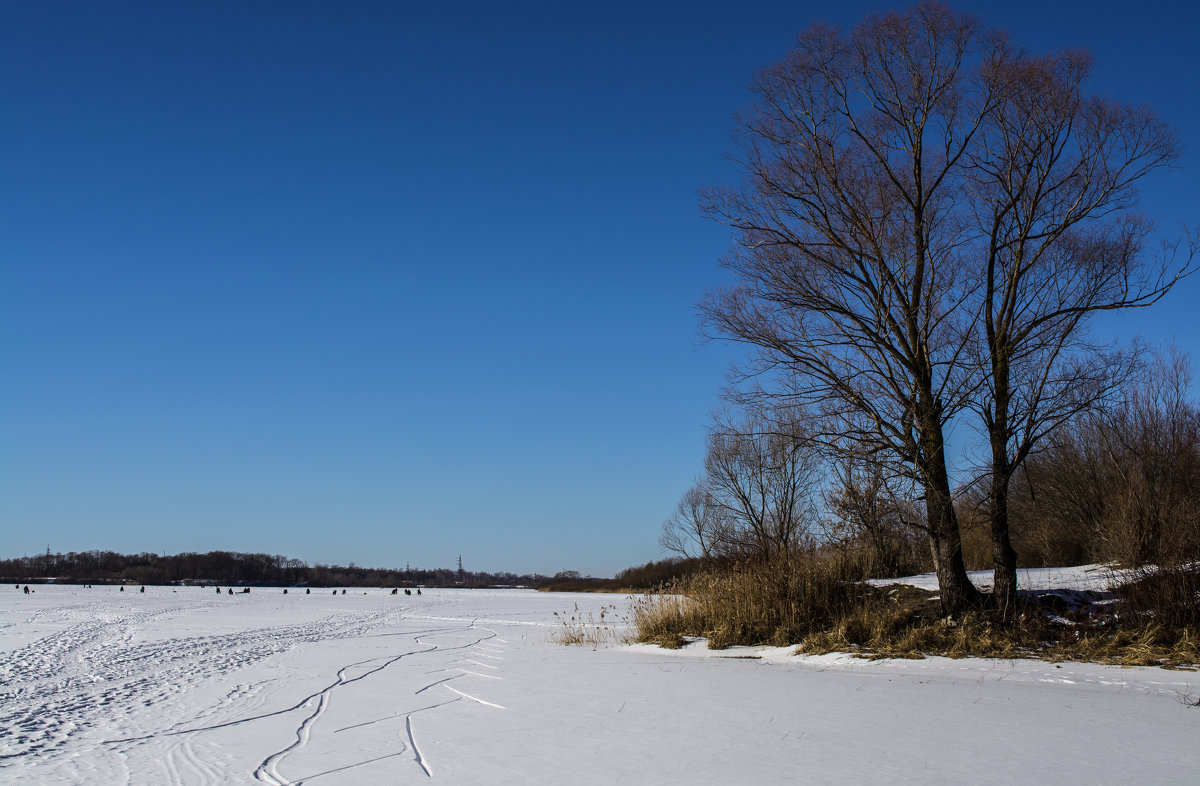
(1153, 444)
(874, 527)
(755, 497)
(1121, 485)
(1169, 597)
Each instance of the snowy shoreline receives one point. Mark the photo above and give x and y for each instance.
(179, 685)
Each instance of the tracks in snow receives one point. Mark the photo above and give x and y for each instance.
(447, 646)
(478, 644)
(73, 679)
(99, 671)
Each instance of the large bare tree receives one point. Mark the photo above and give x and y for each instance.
(852, 232)
(1055, 171)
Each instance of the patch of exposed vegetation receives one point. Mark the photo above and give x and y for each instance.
(576, 629)
(1149, 621)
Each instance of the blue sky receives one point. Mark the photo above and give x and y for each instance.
(387, 283)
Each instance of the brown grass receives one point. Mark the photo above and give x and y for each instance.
(575, 629)
(775, 602)
(806, 602)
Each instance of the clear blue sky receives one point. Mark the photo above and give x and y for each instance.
(391, 282)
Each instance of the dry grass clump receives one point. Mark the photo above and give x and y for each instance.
(574, 628)
(905, 622)
(660, 617)
(1145, 645)
(776, 602)
(1149, 622)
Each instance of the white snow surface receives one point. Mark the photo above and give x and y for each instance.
(182, 686)
(1095, 578)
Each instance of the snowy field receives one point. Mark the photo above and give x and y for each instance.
(466, 687)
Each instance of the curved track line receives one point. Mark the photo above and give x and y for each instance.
(412, 739)
(266, 771)
(269, 765)
(433, 684)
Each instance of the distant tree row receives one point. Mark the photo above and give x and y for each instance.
(651, 576)
(229, 567)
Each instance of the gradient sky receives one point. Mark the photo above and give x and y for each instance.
(387, 283)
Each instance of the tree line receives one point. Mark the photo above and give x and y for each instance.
(231, 567)
(929, 221)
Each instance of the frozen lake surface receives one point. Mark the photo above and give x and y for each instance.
(184, 686)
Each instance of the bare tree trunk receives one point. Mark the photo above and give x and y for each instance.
(958, 594)
(1004, 556)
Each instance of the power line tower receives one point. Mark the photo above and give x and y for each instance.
(460, 569)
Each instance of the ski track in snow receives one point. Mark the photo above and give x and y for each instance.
(65, 680)
(268, 771)
(58, 687)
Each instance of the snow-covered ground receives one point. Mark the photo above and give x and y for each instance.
(466, 687)
(1095, 578)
